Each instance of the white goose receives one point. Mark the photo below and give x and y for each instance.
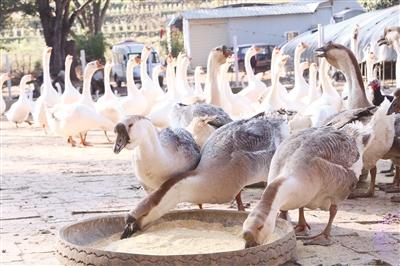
(150, 90)
(135, 103)
(198, 89)
(182, 84)
(160, 111)
(391, 37)
(19, 111)
(314, 92)
(49, 96)
(300, 89)
(71, 94)
(255, 88)
(69, 120)
(235, 105)
(173, 151)
(108, 105)
(3, 78)
(235, 155)
(318, 168)
(273, 101)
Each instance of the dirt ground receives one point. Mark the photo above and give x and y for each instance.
(45, 185)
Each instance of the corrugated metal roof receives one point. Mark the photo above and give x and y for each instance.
(251, 11)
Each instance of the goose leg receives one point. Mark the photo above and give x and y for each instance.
(324, 238)
(28, 122)
(200, 206)
(302, 227)
(71, 141)
(44, 129)
(394, 187)
(108, 139)
(239, 202)
(371, 189)
(83, 140)
(16, 124)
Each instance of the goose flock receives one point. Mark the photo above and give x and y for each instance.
(310, 144)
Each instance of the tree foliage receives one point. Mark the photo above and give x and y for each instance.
(92, 17)
(8, 7)
(94, 46)
(370, 5)
(177, 45)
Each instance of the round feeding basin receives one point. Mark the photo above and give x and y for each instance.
(85, 242)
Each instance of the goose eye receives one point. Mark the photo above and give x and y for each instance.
(130, 125)
(260, 227)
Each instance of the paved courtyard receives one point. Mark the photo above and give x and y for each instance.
(45, 185)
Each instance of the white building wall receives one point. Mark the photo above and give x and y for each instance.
(200, 36)
(272, 29)
(205, 35)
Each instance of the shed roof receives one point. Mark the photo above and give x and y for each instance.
(251, 11)
(372, 25)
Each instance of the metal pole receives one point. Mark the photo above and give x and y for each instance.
(235, 50)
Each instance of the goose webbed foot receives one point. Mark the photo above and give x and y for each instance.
(131, 227)
(302, 228)
(71, 141)
(324, 238)
(371, 190)
(83, 141)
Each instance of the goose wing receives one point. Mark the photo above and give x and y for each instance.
(180, 141)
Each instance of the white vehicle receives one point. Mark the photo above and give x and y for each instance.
(124, 50)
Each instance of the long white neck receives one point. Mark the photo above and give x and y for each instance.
(197, 84)
(211, 86)
(370, 71)
(155, 74)
(67, 78)
(149, 147)
(130, 83)
(107, 86)
(327, 88)
(185, 80)
(143, 67)
(3, 78)
(87, 78)
(48, 87)
(357, 96)
(224, 87)
(22, 87)
(247, 66)
(313, 91)
(354, 46)
(171, 81)
(396, 47)
(297, 57)
(273, 95)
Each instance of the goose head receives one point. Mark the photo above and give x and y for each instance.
(201, 128)
(252, 51)
(301, 47)
(25, 79)
(170, 60)
(47, 52)
(355, 32)
(198, 71)
(389, 36)
(337, 55)
(313, 67)
(92, 67)
(256, 229)
(146, 51)
(219, 54)
(395, 105)
(304, 66)
(130, 131)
